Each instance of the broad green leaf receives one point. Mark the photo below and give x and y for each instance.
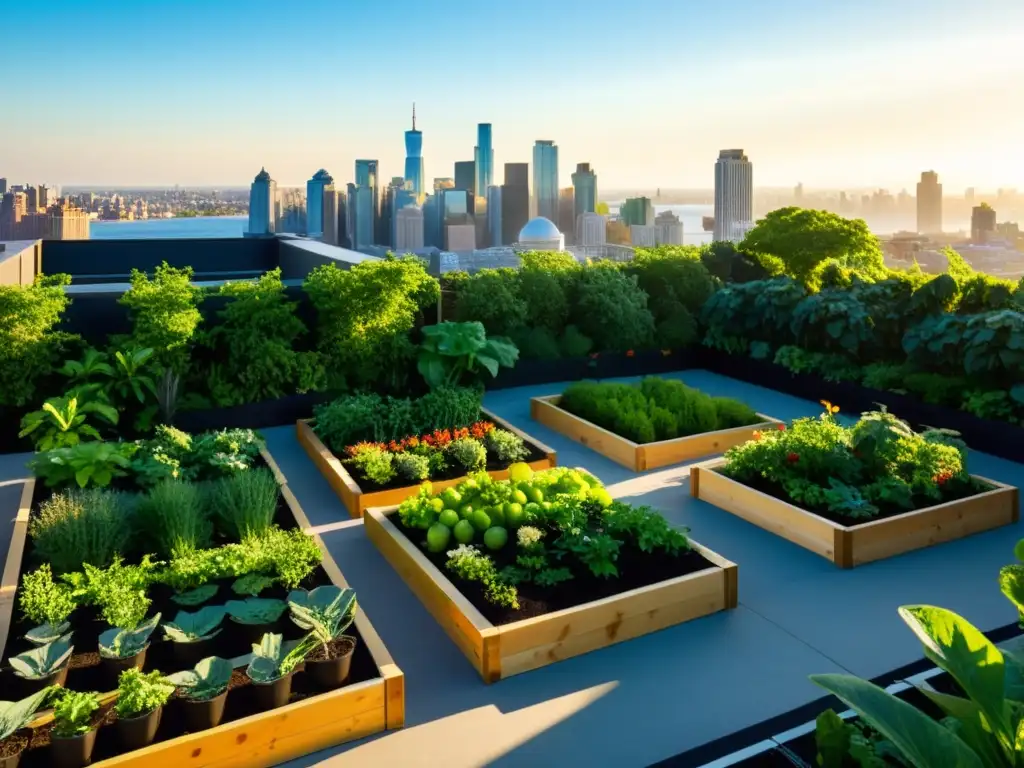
(14, 715)
(1011, 582)
(47, 633)
(42, 661)
(925, 743)
(972, 727)
(959, 648)
(489, 363)
(82, 476)
(189, 627)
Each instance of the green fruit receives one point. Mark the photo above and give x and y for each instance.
(451, 498)
(466, 511)
(519, 497)
(436, 504)
(497, 515)
(464, 532)
(520, 472)
(449, 517)
(495, 538)
(546, 506)
(536, 495)
(437, 537)
(481, 520)
(519, 514)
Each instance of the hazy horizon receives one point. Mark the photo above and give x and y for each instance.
(843, 97)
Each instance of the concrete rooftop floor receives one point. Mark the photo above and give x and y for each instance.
(653, 697)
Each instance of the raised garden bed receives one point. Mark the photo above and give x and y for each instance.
(372, 700)
(639, 456)
(357, 500)
(851, 545)
(568, 620)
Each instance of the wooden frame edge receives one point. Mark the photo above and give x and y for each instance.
(12, 564)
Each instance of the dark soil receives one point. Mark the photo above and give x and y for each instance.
(952, 491)
(13, 744)
(337, 647)
(637, 569)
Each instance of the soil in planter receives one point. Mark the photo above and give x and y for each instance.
(13, 745)
(953, 491)
(638, 569)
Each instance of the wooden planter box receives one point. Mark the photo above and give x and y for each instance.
(640, 456)
(497, 652)
(849, 546)
(268, 738)
(358, 501)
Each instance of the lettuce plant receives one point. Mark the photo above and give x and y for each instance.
(72, 713)
(207, 680)
(139, 693)
(43, 661)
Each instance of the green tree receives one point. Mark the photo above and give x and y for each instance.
(165, 314)
(803, 238)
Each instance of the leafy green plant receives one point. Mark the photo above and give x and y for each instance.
(612, 310)
(547, 303)
(91, 367)
(255, 610)
(443, 408)
(507, 447)
(139, 693)
(196, 596)
(72, 713)
(75, 527)
(174, 518)
(122, 643)
(833, 321)
(349, 420)
(252, 584)
(491, 298)
(467, 453)
(132, 381)
(325, 612)
(193, 627)
(91, 464)
(165, 314)
(411, 467)
(47, 603)
(374, 463)
(63, 421)
(470, 564)
(452, 352)
(44, 660)
(273, 659)
(207, 680)
(244, 504)
(15, 715)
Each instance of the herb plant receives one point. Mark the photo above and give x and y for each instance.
(252, 584)
(116, 643)
(92, 464)
(193, 627)
(72, 713)
(273, 659)
(244, 504)
(47, 603)
(174, 518)
(75, 527)
(325, 612)
(43, 660)
(208, 680)
(139, 693)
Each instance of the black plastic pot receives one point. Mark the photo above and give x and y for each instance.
(30, 686)
(329, 674)
(138, 732)
(253, 633)
(200, 715)
(114, 667)
(273, 695)
(189, 654)
(72, 751)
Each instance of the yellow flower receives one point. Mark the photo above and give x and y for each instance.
(829, 408)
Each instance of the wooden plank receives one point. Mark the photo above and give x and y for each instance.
(357, 501)
(680, 449)
(463, 623)
(620, 450)
(792, 523)
(12, 565)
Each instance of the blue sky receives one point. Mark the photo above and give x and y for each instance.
(828, 93)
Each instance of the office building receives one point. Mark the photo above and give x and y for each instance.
(3, 187)
(591, 229)
(414, 172)
(584, 184)
(330, 215)
(643, 235)
(262, 205)
(515, 201)
(567, 214)
(638, 211)
(540, 234)
(483, 156)
(291, 211)
(315, 203)
(983, 223)
(929, 204)
(360, 219)
(43, 197)
(368, 175)
(67, 222)
(465, 176)
(545, 179)
(433, 228)
(460, 237)
(60, 221)
(494, 233)
(409, 229)
(734, 195)
(670, 228)
(32, 200)
(398, 196)
(479, 213)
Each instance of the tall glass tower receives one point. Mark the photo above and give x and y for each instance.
(584, 183)
(414, 158)
(484, 157)
(545, 179)
(315, 202)
(367, 178)
(262, 200)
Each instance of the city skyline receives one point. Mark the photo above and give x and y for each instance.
(647, 118)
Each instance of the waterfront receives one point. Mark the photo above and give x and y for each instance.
(168, 229)
(690, 216)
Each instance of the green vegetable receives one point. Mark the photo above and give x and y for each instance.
(117, 643)
(453, 351)
(252, 584)
(72, 713)
(326, 612)
(193, 627)
(44, 601)
(139, 693)
(464, 532)
(15, 715)
(196, 596)
(273, 659)
(437, 537)
(495, 538)
(42, 661)
(448, 517)
(206, 681)
(255, 610)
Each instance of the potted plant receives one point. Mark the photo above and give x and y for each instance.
(140, 702)
(46, 665)
(15, 715)
(257, 616)
(326, 612)
(193, 633)
(204, 692)
(122, 649)
(272, 666)
(73, 736)
(47, 603)
(193, 597)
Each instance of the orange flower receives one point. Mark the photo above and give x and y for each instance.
(355, 450)
(629, 353)
(829, 408)
(757, 435)
(782, 427)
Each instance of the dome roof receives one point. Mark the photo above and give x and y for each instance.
(539, 229)
(323, 175)
(262, 175)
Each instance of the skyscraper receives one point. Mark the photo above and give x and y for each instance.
(409, 229)
(262, 205)
(983, 223)
(366, 177)
(494, 234)
(397, 197)
(3, 187)
(929, 204)
(414, 172)
(433, 230)
(315, 202)
(545, 179)
(670, 228)
(361, 221)
(329, 216)
(465, 176)
(483, 156)
(566, 214)
(590, 229)
(584, 183)
(515, 201)
(637, 211)
(734, 195)
(291, 211)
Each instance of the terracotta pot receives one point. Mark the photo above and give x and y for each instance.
(138, 732)
(72, 751)
(200, 715)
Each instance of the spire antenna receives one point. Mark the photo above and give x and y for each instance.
(414, 115)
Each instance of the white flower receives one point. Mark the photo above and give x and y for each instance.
(463, 550)
(528, 536)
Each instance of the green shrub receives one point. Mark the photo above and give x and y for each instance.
(536, 344)
(445, 408)
(885, 376)
(411, 467)
(174, 518)
(30, 346)
(507, 447)
(694, 410)
(574, 343)
(612, 310)
(76, 527)
(375, 463)
(832, 321)
(673, 276)
(44, 601)
(165, 314)
(543, 293)
(733, 413)
(348, 420)
(243, 505)
(935, 388)
(491, 297)
(677, 330)
(467, 453)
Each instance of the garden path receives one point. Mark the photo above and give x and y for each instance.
(656, 696)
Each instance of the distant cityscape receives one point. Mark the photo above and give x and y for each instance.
(471, 215)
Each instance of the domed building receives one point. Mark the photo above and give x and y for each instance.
(540, 234)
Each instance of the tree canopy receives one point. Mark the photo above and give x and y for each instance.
(803, 238)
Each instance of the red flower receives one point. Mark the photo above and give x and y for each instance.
(792, 458)
(943, 477)
(756, 435)
(629, 353)
(781, 427)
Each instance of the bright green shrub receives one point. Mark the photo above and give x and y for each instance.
(676, 330)
(536, 344)
(376, 464)
(612, 310)
(574, 343)
(983, 293)
(165, 314)
(411, 467)
(935, 388)
(733, 413)
(467, 453)
(491, 297)
(76, 527)
(673, 276)
(444, 408)
(348, 420)
(546, 303)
